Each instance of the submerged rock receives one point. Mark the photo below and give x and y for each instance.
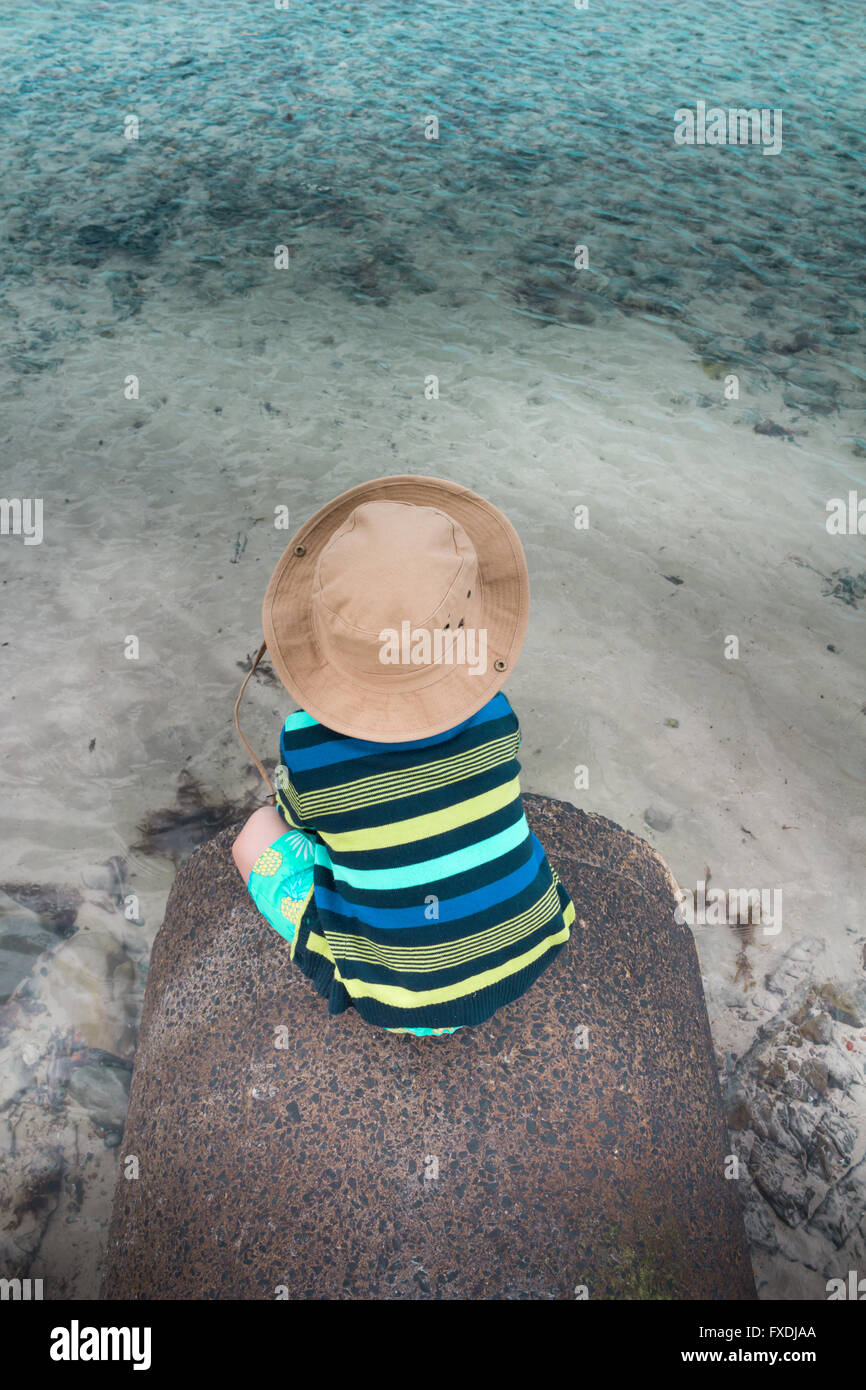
(22, 941)
(102, 1091)
(774, 431)
(33, 917)
(802, 398)
(94, 234)
(571, 1146)
(55, 904)
(795, 1104)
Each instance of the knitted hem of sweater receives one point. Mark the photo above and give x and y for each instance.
(471, 1009)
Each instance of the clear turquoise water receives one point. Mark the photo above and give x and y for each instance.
(555, 128)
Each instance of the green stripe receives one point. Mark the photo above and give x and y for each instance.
(423, 959)
(391, 786)
(401, 998)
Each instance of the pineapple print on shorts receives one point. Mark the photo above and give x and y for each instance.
(268, 862)
(281, 882)
(294, 902)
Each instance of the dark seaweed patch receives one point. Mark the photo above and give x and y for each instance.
(177, 830)
(848, 588)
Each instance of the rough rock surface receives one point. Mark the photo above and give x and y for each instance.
(573, 1143)
(795, 1106)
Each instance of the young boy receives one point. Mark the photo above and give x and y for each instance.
(397, 860)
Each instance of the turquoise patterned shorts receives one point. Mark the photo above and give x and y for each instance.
(281, 881)
(281, 886)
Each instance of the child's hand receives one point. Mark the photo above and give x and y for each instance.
(263, 827)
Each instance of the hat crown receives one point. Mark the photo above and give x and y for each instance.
(398, 609)
(391, 563)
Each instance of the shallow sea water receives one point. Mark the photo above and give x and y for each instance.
(409, 258)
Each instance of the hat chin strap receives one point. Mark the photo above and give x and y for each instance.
(267, 781)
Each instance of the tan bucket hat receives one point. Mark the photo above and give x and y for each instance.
(397, 611)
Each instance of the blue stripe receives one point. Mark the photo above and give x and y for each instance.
(450, 909)
(344, 749)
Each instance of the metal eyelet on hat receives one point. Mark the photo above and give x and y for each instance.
(499, 665)
(300, 550)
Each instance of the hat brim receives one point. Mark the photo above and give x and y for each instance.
(384, 711)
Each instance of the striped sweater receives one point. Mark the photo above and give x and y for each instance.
(434, 903)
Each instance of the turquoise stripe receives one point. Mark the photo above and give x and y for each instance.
(300, 720)
(411, 875)
(495, 708)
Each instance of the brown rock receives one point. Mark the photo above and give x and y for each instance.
(501, 1162)
(817, 1028)
(842, 1005)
